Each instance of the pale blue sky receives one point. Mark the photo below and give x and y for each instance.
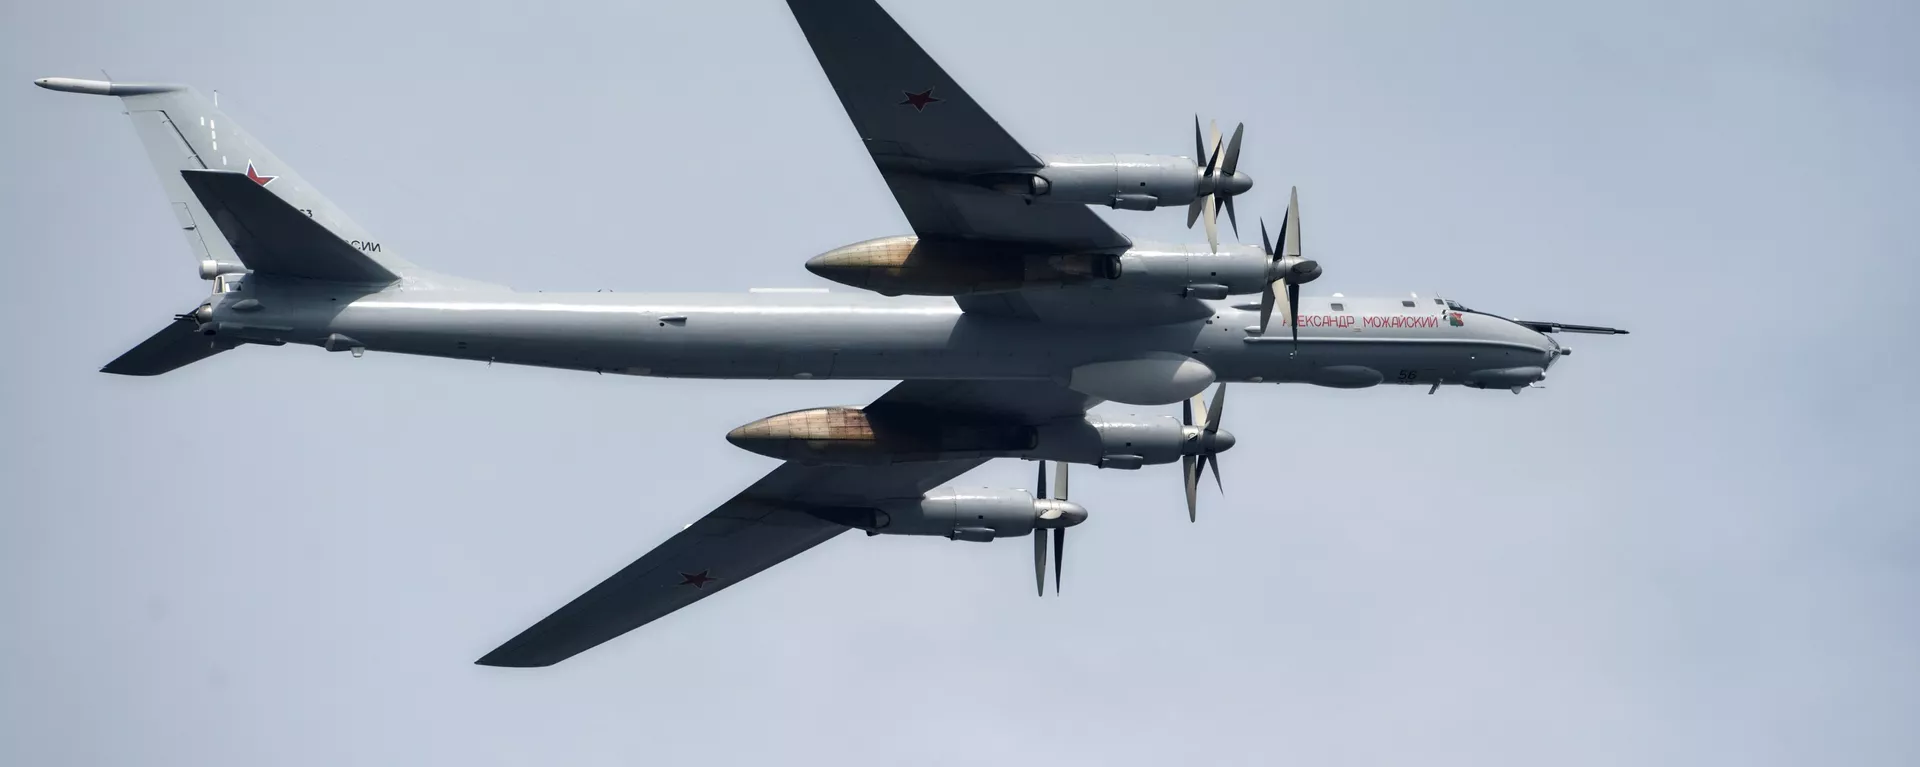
(1694, 547)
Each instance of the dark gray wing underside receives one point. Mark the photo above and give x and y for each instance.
(759, 528)
(767, 523)
(927, 135)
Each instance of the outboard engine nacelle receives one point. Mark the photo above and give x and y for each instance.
(1124, 181)
(962, 515)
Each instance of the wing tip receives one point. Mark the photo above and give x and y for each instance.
(505, 657)
(519, 653)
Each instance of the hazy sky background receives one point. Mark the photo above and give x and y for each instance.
(1695, 546)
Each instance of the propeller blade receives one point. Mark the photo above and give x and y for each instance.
(1286, 224)
(1226, 201)
(1059, 556)
(1195, 407)
(1213, 462)
(1214, 125)
(1290, 231)
(1186, 412)
(1213, 229)
(1213, 162)
(1233, 150)
(1265, 244)
(1193, 210)
(1266, 306)
(1293, 313)
(1214, 410)
(1040, 561)
(1192, 480)
(1040, 490)
(1060, 480)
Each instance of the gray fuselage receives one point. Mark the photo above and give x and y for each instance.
(1362, 342)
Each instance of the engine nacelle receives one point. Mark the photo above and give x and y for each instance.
(962, 515)
(1125, 181)
(1124, 442)
(1190, 270)
(850, 436)
(907, 265)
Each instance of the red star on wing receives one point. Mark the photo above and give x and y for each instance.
(919, 101)
(696, 580)
(257, 178)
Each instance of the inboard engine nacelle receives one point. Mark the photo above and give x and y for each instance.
(851, 436)
(907, 265)
(962, 515)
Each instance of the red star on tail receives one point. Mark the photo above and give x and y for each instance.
(919, 101)
(257, 178)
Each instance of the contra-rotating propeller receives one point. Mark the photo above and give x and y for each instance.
(1288, 268)
(1205, 441)
(1219, 181)
(1055, 514)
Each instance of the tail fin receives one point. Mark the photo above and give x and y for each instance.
(185, 132)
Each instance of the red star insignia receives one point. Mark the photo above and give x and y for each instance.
(257, 178)
(919, 101)
(696, 580)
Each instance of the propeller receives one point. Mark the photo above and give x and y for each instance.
(1288, 269)
(1205, 441)
(1056, 514)
(1219, 181)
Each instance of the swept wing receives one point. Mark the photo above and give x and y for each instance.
(769, 522)
(931, 141)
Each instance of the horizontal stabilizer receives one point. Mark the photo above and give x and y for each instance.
(176, 345)
(273, 237)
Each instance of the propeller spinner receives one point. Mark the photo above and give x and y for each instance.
(1219, 181)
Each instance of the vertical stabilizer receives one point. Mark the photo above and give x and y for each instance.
(184, 131)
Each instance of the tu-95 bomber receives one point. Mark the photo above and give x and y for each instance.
(1010, 310)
